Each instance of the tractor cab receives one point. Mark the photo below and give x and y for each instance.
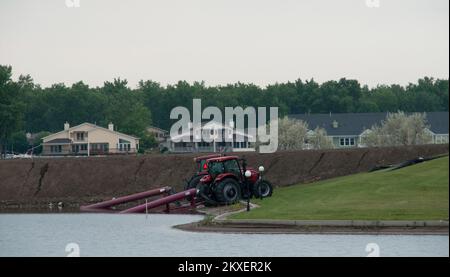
(224, 165)
(230, 166)
(201, 162)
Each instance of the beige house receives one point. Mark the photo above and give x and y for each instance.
(89, 139)
(159, 134)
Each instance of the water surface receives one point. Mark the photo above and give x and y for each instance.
(138, 235)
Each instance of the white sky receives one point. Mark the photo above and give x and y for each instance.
(225, 41)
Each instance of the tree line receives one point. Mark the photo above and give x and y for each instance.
(27, 107)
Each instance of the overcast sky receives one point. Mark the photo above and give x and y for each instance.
(225, 41)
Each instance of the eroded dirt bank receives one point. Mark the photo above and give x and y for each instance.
(73, 181)
(335, 230)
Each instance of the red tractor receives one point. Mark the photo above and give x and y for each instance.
(228, 180)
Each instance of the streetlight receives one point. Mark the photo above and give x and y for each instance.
(247, 174)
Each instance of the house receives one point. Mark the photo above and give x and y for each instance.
(348, 129)
(159, 134)
(215, 133)
(88, 139)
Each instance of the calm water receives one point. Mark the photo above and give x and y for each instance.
(134, 235)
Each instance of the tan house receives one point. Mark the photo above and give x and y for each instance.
(159, 134)
(89, 139)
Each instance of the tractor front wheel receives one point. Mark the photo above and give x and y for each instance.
(262, 189)
(227, 191)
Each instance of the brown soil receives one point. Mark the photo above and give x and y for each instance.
(74, 181)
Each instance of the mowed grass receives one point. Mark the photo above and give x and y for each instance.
(418, 192)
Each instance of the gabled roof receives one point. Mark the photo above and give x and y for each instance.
(353, 124)
(93, 126)
(438, 122)
(157, 129)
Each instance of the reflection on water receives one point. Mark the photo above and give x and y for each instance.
(136, 235)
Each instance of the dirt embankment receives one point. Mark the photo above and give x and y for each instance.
(83, 180)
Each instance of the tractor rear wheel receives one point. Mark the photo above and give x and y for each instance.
(193, 182)
(262, 189)
(227, 191)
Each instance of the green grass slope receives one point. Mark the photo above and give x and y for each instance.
(419, 192)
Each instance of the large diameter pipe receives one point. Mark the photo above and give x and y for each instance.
(161, 201)
(125, 199)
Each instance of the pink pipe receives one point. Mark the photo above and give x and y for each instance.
(162, 201)
(124, 199)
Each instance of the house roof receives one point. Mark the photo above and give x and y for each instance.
(59, 141)
(154, 128)
(438, 122)
(93, 127)
(349, 124)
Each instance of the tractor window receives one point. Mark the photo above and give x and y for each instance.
(202, 165)
(232, 166)
(216, 168)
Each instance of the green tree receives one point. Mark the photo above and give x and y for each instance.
(125, 108)
(11, 108)
(18, 142)
(27, 106)
(147, 142)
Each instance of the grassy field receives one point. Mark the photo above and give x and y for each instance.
(419, 192)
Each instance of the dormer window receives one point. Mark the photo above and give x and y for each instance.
(335, 124)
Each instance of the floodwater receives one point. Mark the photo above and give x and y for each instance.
(153, 235)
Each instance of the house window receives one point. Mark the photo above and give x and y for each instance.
(83, 147)
(352, 141)
(56, 148)
(80, 136)
(204, 144)
(75, 148)
(124, 145)
(347, 141)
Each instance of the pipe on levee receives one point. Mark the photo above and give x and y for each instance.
(124, 199)
(161, 201)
